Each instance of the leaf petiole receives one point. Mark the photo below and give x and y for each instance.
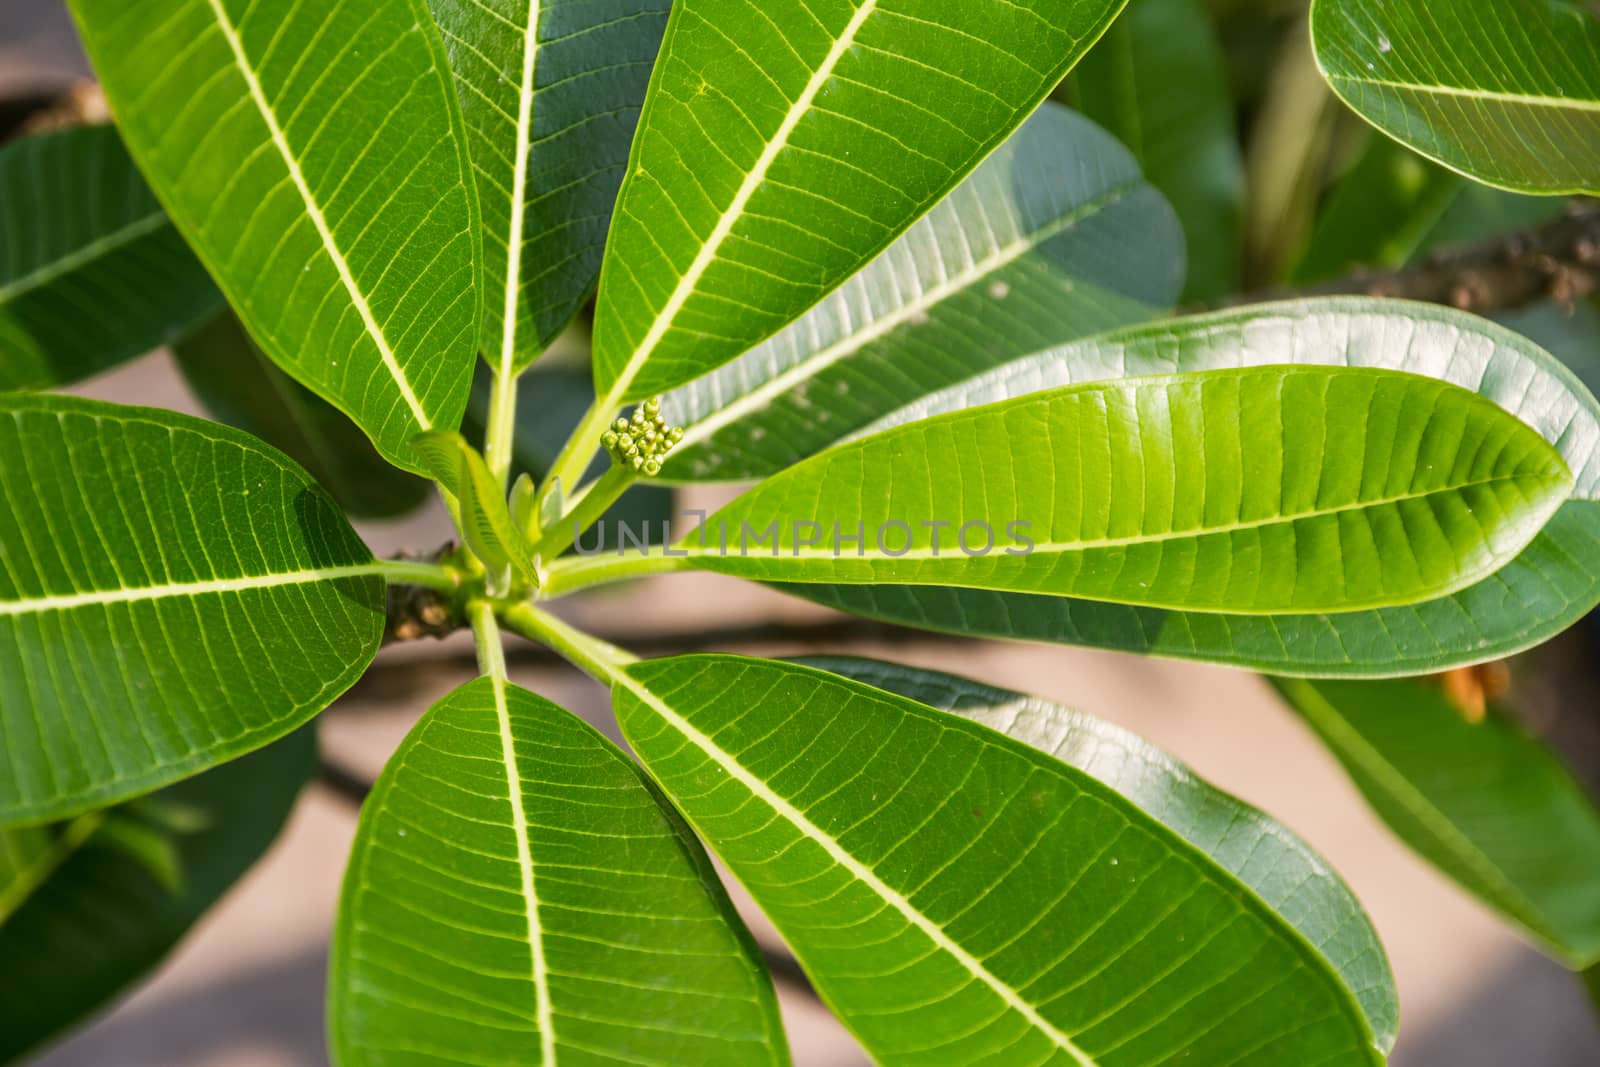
(601, 661)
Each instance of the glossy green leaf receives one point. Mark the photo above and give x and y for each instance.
(314, 157)
(173, 593)
(242, 387)
(91, 271)
(1261, 853)
(1485, 803)
(1158, 81)
(551, 94)
(100, 920)
(1054, 237)
(480, 502)
(1546, 589)
(1265, 489)
(1503, 91)
(781, 148)
(958, 896)
(519, 894)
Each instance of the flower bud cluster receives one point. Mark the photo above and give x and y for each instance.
(644, 441)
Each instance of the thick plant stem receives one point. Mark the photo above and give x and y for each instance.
(572, 574)
(600, 661)
(590, 506)
(486, 638)
(501, 432)
(413, 572)
(573, 460)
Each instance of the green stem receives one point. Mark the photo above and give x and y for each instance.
(501, 433)
(486, 638)
(25, 881)
(569, 575)
(594, 657)
(413, 572)
(591, 504)
(573, 460)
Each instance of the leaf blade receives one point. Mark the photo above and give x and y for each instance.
(733, 136)
(93, 273)
(190, 595)
(291, 222)
(733, 740)
(589, 962)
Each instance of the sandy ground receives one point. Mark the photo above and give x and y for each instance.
(245, 989)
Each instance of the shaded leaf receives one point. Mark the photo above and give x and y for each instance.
(1546, 589)
(1484, 802)
(960, 897)
(1265, 489)
(777, 154)
(102, 920)
(1263, 854)
(243, 388)
(173, 593)
(518, 890)
(1158, 81)
(91, 271)
(1506, 92)
(1054, 237)
(550, 94)
(314, 157)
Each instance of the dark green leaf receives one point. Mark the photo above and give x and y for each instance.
(1263, 854)
(243, 388)
(1157, 80)
(551, 93)
(1550, 586)
(1484, 802)
(91, 271)
(782, 147)
(1504, 91)
(519, 894)
(101, 920)
(960, 897)
(314, 156)
(1054, 237)
(173, 593)
(1265, 489)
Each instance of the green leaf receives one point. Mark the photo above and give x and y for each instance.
(1485, 803)
(960, 897)
(1158, 81)
(173, 593)
(481, 507)
(91, 271)
(314, 157)
(1265, 489)
(1261, 853)
(518, 889)
(1507, 93)
(242, 387)
(550, 94)
(777, 154)
(1555, 582)
(1054, 237)
(100, 920)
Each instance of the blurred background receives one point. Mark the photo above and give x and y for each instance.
(245, 989)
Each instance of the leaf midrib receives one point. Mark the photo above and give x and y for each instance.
(852, 343)
(280, 141)
(725, 222)
(519, 192)
(860, 871)
(811, 552)
(78, 257)
(1560, 103)
(173, 590)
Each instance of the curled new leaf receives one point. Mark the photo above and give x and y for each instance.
(480, 504)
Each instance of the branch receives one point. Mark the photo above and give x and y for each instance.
(1558, 261)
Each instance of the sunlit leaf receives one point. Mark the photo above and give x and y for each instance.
(173, 594)
(480, 502)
